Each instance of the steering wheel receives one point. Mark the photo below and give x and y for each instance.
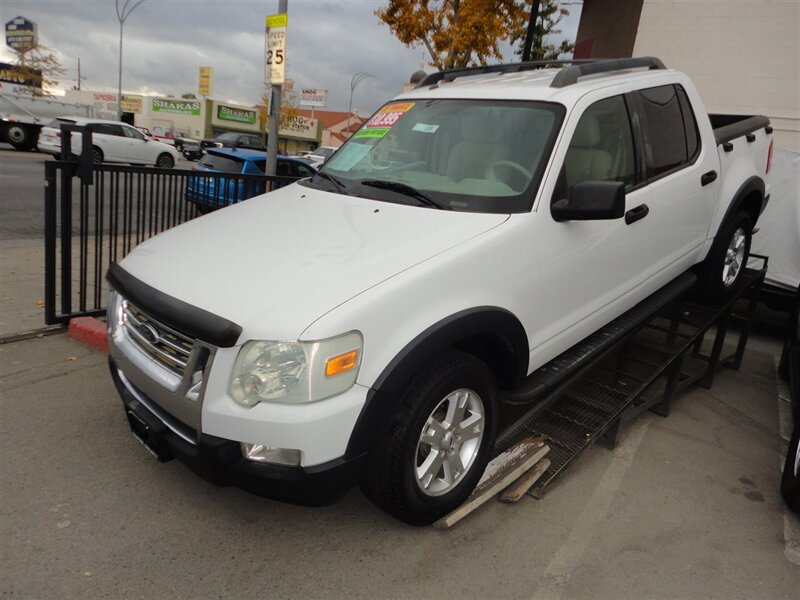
(508, 163)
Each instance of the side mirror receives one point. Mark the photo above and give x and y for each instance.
(591, 201)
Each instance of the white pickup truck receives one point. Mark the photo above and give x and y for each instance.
(364, 325)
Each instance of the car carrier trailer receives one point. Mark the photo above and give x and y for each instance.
(639, 362)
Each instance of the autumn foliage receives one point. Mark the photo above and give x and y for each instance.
(457, 33)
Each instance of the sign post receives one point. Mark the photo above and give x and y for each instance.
(313, 97)
(275, 68)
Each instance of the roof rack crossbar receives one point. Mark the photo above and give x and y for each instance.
(569, 75)
(435, 78)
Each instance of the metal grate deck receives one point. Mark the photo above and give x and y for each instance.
(595, 389)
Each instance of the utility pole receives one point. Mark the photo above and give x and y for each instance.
(275, 110)
(123, 14)
(79, 74)
(526, 50)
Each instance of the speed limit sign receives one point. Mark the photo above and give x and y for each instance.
(275, 58)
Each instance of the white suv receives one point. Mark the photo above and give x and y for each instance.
(365, 325)
(112, 141)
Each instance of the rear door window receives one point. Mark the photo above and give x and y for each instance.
(665, 139)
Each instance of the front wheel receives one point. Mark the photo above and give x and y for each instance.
(435, 444)
(727, 259)
(165, 161)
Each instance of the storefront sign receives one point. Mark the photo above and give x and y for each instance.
(238, 115)
(21, 34)
(131, 104)
(204, 87)
(313, 97)
(275, 60)
(170, 105)
(19, 76)
(299, 127)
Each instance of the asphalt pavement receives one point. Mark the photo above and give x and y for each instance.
(685, 507)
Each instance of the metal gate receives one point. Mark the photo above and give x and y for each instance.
(95, 214)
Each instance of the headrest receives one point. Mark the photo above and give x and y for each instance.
(587, 134)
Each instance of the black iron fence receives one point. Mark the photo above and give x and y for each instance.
(96, 214)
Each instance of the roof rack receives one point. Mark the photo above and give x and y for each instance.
(575, 68)
(569, 75)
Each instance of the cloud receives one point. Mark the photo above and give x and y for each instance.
(165, 41)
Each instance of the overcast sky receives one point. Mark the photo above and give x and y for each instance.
(167, 40)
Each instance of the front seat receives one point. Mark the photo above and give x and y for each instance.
(476, 150)
(586, 159)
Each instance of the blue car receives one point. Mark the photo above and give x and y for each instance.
(239, 179)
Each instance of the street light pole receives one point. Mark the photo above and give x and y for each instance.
(122, 14)
(357, 78)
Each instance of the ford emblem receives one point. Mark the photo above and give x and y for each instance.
(148, 332)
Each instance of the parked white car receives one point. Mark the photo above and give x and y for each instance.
(364, 325)
(320, 155)
(112, 141)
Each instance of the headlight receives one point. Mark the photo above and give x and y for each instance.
(295, 372)
(115, 315)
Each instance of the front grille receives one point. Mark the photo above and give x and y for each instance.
(167, 346)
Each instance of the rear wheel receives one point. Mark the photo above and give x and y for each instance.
(165, 161)
(435, 445)
(727, 259)
(97, 155)
(19, 136)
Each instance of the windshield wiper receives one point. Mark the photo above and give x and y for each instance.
(407, 190)
(336, 183)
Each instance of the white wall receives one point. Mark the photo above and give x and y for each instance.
(744, 57)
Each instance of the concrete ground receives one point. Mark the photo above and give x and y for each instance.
(685, 507)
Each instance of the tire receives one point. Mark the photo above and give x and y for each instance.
(97, 155)
(165, 161)
(19, 136)
(407, 472)
(790, 482)
(724, 266)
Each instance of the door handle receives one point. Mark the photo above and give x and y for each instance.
(707, 178)
(635, 214)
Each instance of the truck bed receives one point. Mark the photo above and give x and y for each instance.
(729, 127)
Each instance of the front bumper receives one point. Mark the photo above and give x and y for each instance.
(220, 461)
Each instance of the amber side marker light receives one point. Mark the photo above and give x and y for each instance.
(340, 364)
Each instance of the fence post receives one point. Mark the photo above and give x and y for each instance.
(49, 243)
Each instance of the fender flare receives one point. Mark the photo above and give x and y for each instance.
(486, 320)
(752, 184)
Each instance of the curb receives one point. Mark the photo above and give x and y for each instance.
(89, 331)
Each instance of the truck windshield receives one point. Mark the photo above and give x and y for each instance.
(476, 156)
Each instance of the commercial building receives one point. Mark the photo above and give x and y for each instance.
(744, 57)
(198, 118)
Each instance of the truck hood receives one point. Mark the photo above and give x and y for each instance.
(276, 263)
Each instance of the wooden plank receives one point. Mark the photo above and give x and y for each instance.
(499, 474)
(517, 490)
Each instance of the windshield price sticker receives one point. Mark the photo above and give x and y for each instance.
(382, 122)
(276, 48)
(425, 128)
